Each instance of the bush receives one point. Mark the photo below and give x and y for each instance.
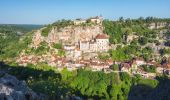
(115, 67)
(143, 40)
(149, 82)
(57, 46)
(151, 68)
(45, 31)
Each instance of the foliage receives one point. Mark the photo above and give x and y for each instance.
(143, 40)
(167, 43)
(115, 67)
(151, 68)
(11, 44)
(120, 54)
(113, 29)
(85, 84)
(103, 56)
(6, 28)
(42, 49)
(62, 23)
(96, 85)
(164, 51)
(119, 30)
(149, 82)
(146, 53)
(46, 31)
(61, 53)
(57, 46)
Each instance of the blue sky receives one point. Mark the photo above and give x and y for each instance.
(48, 11)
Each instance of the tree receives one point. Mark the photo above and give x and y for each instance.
(167, 43)
(164, 51)
(57, 46)
(46, 31)
(151, 68)
(121, 19)
(115, 67)
(143, 40)
(61, 53)
(103, 56)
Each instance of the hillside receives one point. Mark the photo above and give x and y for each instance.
(91, 58)
(21, 29)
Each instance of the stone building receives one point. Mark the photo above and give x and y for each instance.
(97, 19)
(93, 46)
(79, 21)
(102, 41)
(84, 45)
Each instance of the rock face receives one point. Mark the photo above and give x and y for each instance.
(71, 34)
(37, 38)
(158, 25)
(13, 89)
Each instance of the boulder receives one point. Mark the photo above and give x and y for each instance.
(13, 89)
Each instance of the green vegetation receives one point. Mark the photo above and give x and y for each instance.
(103, 56)
(149, 82)
(11, 44)
(61, 53)
(167, 43)
(120, 54)
(164, 51)
(113, 29)
(46, 31)
(115, 67)
(42, 49)
(18, 28)
(85, 84)
(119, 30)
(151, 68)
(129, 51)
(57, 46)
(63, 23)
(143, 40)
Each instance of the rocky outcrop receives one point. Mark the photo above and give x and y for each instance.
(13, 89)
(71, 34)
(158, 25)
(37, 38)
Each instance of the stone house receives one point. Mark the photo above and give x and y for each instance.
(98, 66)
(79, 21)
(84, 45)
(97, 19)
(102, 41)
(93, 46)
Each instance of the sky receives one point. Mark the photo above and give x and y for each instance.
(49, 11)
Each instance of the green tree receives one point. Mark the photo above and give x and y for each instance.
(143, 40)
(57, 46)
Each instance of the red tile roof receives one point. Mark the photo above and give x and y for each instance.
(102, 36)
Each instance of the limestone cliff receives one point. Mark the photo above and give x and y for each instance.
(70, 34)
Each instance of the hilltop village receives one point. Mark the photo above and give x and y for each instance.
(83, 44)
